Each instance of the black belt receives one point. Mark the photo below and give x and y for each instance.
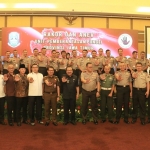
(139, 88)
(50, 92)
(122, 85)
(42, 67)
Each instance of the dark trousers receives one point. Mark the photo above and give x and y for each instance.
(106, 100)
(27, 71)
(21, 102)
(148, 107)
(86, 95)
(16, 71)
(69, 104)
(50, 100)
(123, 96)
(76, 72)
(2, 103)
(56, 73)
(32, 101)
(139, 100)
(43, 71)
(11, 100)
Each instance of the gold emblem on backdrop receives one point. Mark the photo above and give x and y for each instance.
(70, 19)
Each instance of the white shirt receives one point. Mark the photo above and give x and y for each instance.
(2, 94)
(35, 88)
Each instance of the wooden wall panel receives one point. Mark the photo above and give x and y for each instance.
(140, 24)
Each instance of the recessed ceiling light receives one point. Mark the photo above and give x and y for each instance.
(143, 9)
(2, 6)
(34, 5)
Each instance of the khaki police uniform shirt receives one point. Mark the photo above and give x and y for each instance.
(93, 61)
(120, 59)
(82, 62)
(65, 61)
(22, 86)
(125, 78)
(94, 79)
(16, 62)
(141, 80)
(6, 63)
(54, 80)
(73, 61)
(34, 60)
(110, 61)
(144, 62)
(44, 61)
(108, 82)
(25, 61)
(54, 63)
(101, 58)
(132, 63)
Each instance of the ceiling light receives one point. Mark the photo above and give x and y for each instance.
(34, 5)
(2, 6)
(143, 9)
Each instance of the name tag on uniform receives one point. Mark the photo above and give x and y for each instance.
(67, 81)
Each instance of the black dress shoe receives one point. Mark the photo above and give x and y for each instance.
(73, 122)
(126, 121)
(133, 121)
(111, 121)
(116, 122)
(25, 122)
(3, 123)
(18, 123)
(84, 121)
(95, 122)
(142, 122)
(11, 124)
(40, 122)
(55, 124)
(46, 123)
(103, 121)
(65, 123)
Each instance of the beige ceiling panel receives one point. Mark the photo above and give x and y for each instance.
(64, 23)
(18, 21)
(40, 21)
(95, 22)
(119, 23)
(140, 24)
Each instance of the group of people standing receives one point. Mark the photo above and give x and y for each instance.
(27, 81)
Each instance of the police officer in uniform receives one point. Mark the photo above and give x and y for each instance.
(51, 94)
(16, 61)
(131, 62)
(70, 94)
(73, 63)
(95, 61)
(43, 62)
(100, 57)
(90, 90)
(107, 84)
(144, 61)
(124, 91)
(34, 58)
(53, 61)
(25, 60)
(140, 93)
(110, 61)
(120, 59)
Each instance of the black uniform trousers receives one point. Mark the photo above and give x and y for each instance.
(56, 73)
(69, 104)
(43, 71)
(86, 95)
(21, 102)
(105, 99)
(2, 103)
(11, 106)
(32, 101)
(139, 100)
(123, 96)
(148, 107)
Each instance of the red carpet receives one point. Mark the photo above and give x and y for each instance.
(105, 136)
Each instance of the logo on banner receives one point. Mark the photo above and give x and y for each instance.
(14, 39)
(125, 41)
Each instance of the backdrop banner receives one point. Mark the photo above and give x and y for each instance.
(69, 39)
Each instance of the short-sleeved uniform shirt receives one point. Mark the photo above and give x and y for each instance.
(54, 63)
(110, 61)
